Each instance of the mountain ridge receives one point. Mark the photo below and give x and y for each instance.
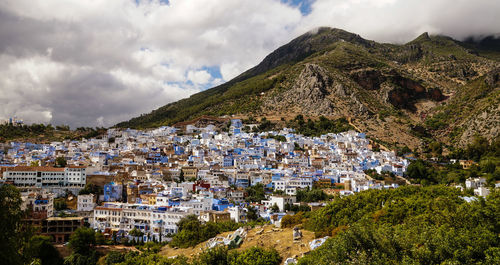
(386, 89)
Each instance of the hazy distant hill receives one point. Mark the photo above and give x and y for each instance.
(433, 87)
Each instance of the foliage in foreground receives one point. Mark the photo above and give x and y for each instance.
(218, 255)
(18, 245)
(408, 225)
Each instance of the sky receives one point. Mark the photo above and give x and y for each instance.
(99, 62)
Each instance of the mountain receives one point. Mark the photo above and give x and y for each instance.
(433, 88)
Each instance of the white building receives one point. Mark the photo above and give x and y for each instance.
(474, 183)
(39, 203)
(280, 201)
(86, 203)
(152, 221)
(46, 177)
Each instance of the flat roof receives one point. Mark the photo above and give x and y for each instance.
(70, 218)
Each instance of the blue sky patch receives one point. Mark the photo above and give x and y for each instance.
(303, 5)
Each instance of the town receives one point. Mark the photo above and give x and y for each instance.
(149, 180)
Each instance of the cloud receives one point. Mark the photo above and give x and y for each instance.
(89, 63)
(402, 20)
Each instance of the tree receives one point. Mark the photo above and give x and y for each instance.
(60, 204)
(478, 148)
(256, 256)
(114, 257)
(61, 161)
(99, 238)
(252, 256)
(40, 247)
(252, 213)
(181, 176)
(82, 240)
(419, 170)
(136, 233)
(192, 231)
(256, 193)
(216, 256)
(436, 148)
(12, 231)
(79, 259)
(82, 243)
(275, 208)
(90, 189)
(314, 195)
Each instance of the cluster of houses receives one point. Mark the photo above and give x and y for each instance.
(149, 180)
(12, 121)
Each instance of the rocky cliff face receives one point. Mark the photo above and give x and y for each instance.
(309, 94)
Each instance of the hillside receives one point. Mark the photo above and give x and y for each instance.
(432, 88)
(40, 133)
(408, 225)
(266, 237)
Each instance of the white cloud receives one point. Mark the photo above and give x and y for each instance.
(402, 20)
(99, 62)
(199, 77)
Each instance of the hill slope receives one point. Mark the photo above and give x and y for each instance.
(432, 88)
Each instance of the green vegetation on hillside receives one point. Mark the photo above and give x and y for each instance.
(320, 126)
(408, 225)
(229, 98)
(192, 231)
(217, 255)
(42, 132)
(487, 165)
(9, 132)
(311, 195)
(255, 193)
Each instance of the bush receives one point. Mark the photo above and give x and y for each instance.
(311, 195)
(292, 220)
(192, 231)
(252, 256)
(319, 127)
(408, 225)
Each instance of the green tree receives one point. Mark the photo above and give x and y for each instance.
(13, 233)
(192, 231)
(82, 241)
(256, 193)
(136, 232)
(99, 238)
(256, 256)
(90, 189)
(114, 257)
(61, 161)
(181, 176)
(214, 256)
(310, 195)
(60, 204)
(252, 213)
(420, 171)
(41, 248)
